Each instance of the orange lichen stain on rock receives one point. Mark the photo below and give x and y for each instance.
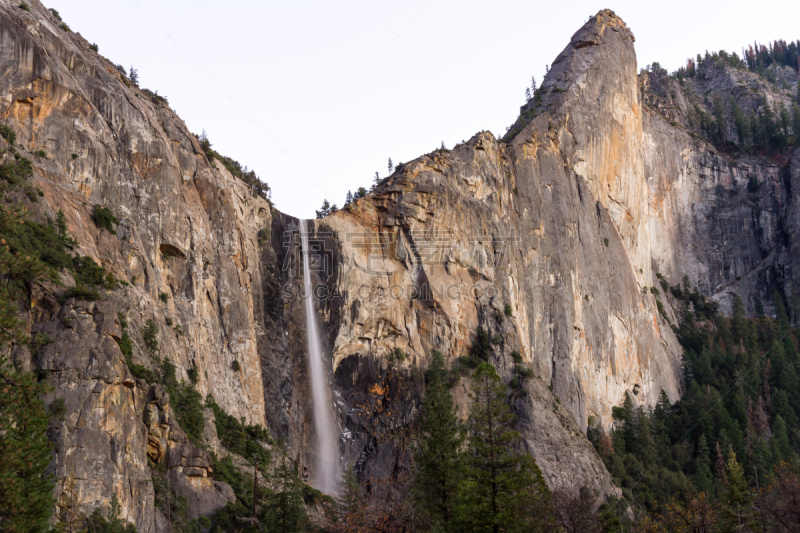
(85, 189)
(377, 389)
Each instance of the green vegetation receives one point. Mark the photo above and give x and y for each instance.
(725, 451)
(280, 508)
(156, 98)
(164, 297)
(507, 310)
(185, 401)
(503, 488)
(235, 366)
(245, 440)
(104, 218)
(285, 512)
(439, 455)
(7, 133)
(489, 484)
(257, 187)
(397, 355)
(174, 508)
(97, 523)
(150, 336)
(764, 129)
(25, 486)
(94, 47)
(326, 209)
(58, 408)
(23, 6)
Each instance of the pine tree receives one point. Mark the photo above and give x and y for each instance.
(350, 501)
(348, 198)
(720, 465)
(97, 523)
(502, 484)
(439, 460)
(740, 122)
(719, 115)
(703, 465)
(662, 413)
(285, 511)
(780, 310)
(527, 94)
(796, 122)
(390, 166)
(782, 449)
(737, 511)
(645, 444)
(325, 210)
(26, 499)
(70, 518)
(786, 120)
(134, 76)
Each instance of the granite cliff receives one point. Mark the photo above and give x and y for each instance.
(547, 242)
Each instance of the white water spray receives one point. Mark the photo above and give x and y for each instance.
(325, 475)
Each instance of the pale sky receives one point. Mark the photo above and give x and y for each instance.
(317, 95)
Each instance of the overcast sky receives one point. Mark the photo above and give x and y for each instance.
(317, 95)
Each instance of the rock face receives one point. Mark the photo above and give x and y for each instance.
(547, 240)
(727, 222)
(187, 243)
(543, 241)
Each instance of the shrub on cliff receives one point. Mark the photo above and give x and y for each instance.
(7, 133)
(239, 437)
(104, 218)
(97, 523)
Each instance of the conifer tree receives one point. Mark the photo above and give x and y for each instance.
(796, 122)
(390, 166)
(25, 452)
(325, 210)
(350, 501)
(737, 510)
(70, 518)
(703, 465)
(739, 122)
(285, 511)
(502, 483)
(439, 459)
(782, 449)
(97, 523)
(719, 115)
(786, 120)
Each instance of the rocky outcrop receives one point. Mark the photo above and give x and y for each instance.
(187, 245)
(543, 241)
(721, 216)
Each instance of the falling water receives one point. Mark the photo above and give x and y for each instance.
(326, 453)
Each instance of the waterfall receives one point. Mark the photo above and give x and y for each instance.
(325, 469)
